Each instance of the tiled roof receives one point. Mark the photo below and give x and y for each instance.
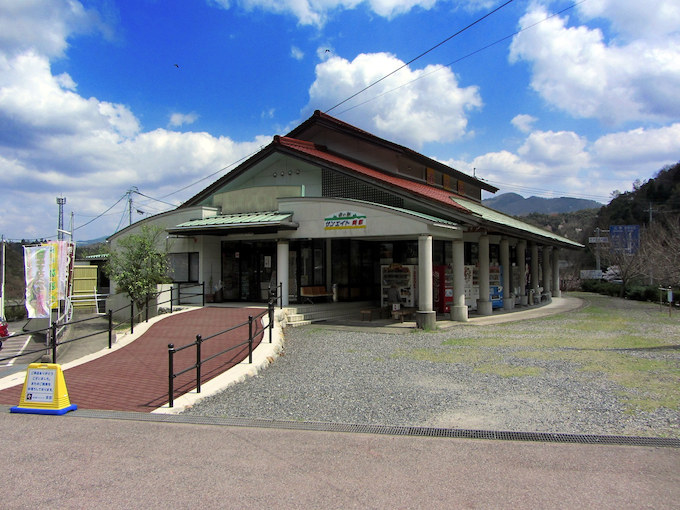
(381, 141)
(499, 218)
(260, 219)
(429, 192)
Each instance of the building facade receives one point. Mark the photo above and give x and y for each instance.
(330, 209)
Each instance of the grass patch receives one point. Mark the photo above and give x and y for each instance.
(631, 344)
(462, 356)
(506, 370)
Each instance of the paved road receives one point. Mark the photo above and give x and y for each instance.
(138, 460)
(84, 462)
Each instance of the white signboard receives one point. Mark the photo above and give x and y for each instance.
(342, 220)
(40, 383)
(591, 274)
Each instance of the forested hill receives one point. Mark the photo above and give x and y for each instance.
(516, 205)
(661, 194)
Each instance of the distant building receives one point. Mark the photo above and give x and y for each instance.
(330, 207)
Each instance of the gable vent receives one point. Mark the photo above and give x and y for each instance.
(336, 185)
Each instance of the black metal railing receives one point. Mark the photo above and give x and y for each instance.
(252, 322)
(276, 294)
(56, 329)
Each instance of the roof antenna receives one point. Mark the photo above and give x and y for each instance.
(474, 172)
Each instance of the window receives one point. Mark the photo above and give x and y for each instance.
(184, 266)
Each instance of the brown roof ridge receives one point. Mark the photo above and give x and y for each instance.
(292, 142)
(318, 114)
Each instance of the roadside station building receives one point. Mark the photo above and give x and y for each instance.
(330, 210)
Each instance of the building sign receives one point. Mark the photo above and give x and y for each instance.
(44, 391)
(40, 384)
(591, 274)
(345, 220)
(624, 238)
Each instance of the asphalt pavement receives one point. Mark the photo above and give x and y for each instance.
(94, 462)
(115, 459)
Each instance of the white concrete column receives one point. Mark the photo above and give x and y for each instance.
(329, 267)
(521, 263)
(508, 300)
(547, 273)
(282, 249)
(534, 273)
(484, 306)
(556, 292)
(459, 311)
(426, 316)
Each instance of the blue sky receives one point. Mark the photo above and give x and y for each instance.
(98, 97)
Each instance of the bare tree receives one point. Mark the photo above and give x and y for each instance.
(660, 250)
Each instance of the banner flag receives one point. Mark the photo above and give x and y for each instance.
(37, 261)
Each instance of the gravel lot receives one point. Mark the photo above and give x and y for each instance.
(414, 379)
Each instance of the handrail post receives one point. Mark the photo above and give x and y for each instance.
(199, 340)
(110, 327)
(271, 319)
(53, 333)
(203, 293)
(281, 293)
(171, 375)
(171, 293)
(132, 316)
(250, 339)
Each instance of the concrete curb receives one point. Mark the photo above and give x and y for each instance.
(263, 355)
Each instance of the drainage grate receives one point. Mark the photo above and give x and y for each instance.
(548, 437)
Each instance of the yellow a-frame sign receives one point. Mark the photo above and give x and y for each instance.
(44, 391)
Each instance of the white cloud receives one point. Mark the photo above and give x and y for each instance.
(43, 25)
(555, 152)
(33, 101)
(523, 122)
(566, 164)
(297, 53)
(638, 147)
(430, 110)
(575, 69)
(317, 12)
(649, 19)
(54, 141)
(180, 119)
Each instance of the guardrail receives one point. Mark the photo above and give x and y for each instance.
(56, 330)
(252, 335)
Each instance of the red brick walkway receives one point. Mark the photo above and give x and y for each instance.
(135, 378)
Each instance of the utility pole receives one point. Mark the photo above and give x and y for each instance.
(649, 227)
(130, 207)
(60, 226)
(2, 281)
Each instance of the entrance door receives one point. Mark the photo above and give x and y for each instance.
(248, 268)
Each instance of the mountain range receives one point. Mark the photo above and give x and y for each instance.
(516, 205)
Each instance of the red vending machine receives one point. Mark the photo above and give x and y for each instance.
(442, 288)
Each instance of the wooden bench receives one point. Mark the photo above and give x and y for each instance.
(403, 312)
(370, 314)
(311, 292)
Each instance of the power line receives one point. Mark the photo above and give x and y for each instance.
(528, 189)
(151, 198)
(102, 214)
(479, 20)
(214, 173)
(498, 41)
